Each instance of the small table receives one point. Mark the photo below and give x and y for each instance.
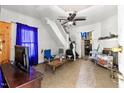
(54, 64)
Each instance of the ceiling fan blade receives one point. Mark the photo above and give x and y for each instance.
(64, 22)
(79, 19)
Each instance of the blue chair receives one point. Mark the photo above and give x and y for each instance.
(47, 55)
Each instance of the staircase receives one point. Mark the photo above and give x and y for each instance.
(62, 30)
(59, 32)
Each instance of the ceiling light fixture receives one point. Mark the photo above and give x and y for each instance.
(70, 23)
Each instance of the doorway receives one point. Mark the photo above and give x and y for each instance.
(5, 37)
(86, 44)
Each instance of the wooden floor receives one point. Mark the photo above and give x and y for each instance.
(78, 74)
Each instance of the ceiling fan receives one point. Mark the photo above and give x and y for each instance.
(71, 18)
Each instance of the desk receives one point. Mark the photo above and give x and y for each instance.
(17, 78)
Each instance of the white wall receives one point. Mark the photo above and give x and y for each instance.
(121, 42)
(44, 38)
(109, 25)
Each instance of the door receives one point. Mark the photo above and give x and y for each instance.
(5, 33)
(86, 43)
(82, 49)
(1, 46)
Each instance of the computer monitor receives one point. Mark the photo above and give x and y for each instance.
(22, 58)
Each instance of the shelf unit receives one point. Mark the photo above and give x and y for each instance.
(106, 38)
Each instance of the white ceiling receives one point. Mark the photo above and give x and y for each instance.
(29, 10)
(92, 13)
(97, 13)
(68, 8)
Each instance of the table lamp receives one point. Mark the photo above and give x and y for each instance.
(117, 49)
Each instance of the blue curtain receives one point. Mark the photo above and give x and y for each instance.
(1, 79)
(28, 36)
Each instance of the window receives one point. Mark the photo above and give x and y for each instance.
(27, 36)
